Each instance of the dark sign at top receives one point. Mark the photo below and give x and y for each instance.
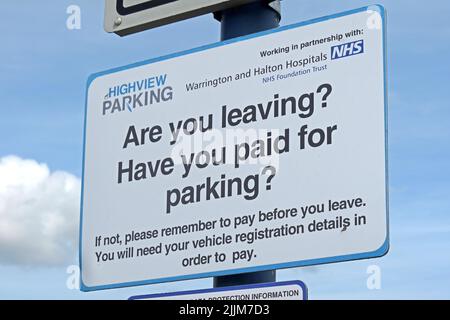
(125, 17)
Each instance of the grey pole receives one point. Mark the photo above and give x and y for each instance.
(250, 18)
(235, 22)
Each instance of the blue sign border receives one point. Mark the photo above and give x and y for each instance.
(383, 250)
(299, 283)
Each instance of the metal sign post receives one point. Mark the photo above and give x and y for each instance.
(249, 18)
(236, 22)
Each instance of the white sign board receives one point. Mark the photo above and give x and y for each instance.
(288, 290)
(129, 16)
(261, 153)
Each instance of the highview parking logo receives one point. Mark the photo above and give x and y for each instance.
(137, 94)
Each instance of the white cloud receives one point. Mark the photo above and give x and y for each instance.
(39, 213)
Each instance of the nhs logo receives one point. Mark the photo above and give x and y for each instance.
(347, 49)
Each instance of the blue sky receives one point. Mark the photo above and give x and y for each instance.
(43, 72)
